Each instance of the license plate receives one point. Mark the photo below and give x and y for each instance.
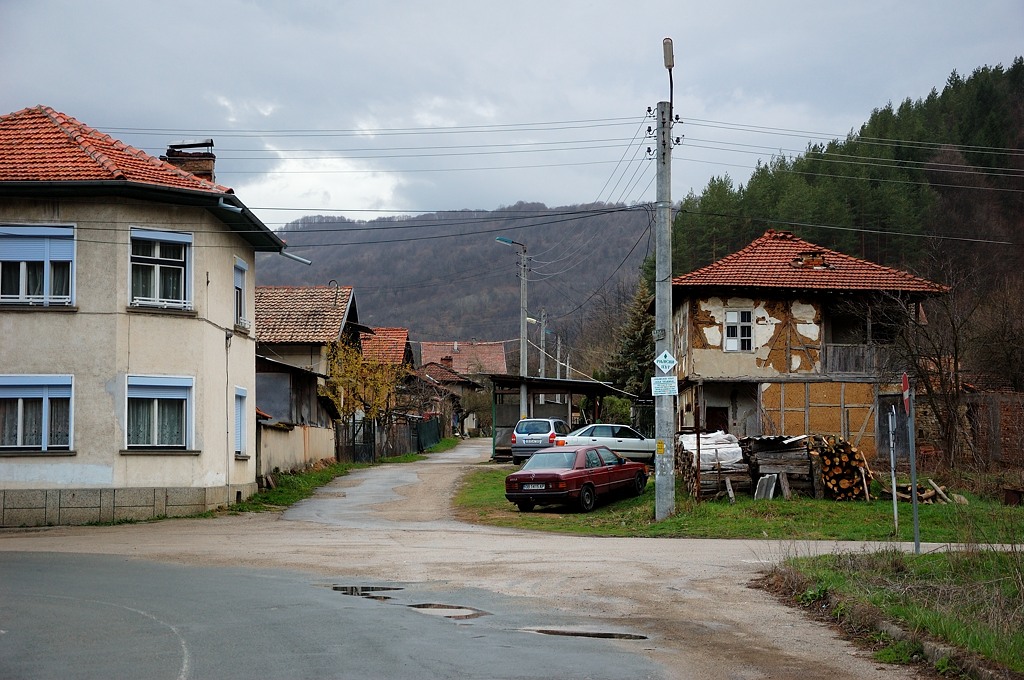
(533, 487)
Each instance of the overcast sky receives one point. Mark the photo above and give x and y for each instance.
(352, 107)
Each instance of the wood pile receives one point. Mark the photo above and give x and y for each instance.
(845, 474)
(788, 459)
(930, 494)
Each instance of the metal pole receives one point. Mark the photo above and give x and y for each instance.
(913, 474)
(664, 404)
(543, 346)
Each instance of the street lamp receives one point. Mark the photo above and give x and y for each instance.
(523, 410)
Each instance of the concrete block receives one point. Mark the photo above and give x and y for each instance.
(133, 498)
(25, 498)
(184, 510)
(79, 498)
(53, 506)
(136, 513)
(79, 515)
(106, 505)
(25, 517)
(185, 496)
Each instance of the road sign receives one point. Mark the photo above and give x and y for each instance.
(664, 385)
(906, 393)
(665, 361)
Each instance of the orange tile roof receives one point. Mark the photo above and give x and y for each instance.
(301, 314)
(778, 259)
(39, 144)
(468, 358)
(386, 345)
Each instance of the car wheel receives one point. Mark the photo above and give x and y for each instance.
(640, 483)
(587, 498)
(525, 507)
(517, 461)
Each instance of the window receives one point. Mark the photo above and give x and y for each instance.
(36, 265)
(739, 331)
(160, 269)
(159, 411)
(35, 412)
(239, 420)
(240, 268)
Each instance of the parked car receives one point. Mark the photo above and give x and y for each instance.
(565, 475)
(531, 434)
(622, 439)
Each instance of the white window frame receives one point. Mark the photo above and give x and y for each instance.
(50, 246)
(738, 331)
(240, 420)
(241, 268)
(156, 263)
(18, 389)
(160, 390)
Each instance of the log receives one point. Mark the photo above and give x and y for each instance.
(938, 490)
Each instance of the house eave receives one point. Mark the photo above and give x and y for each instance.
(225, 206)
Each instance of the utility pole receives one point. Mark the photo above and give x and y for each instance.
(664, 344)
(543, 345)
(524, 411)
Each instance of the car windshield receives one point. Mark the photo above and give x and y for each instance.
(533, 427)
(555, 460)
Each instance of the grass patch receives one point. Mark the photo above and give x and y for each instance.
(482, 499)
(972, 599)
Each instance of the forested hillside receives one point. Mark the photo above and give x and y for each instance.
(443, 275)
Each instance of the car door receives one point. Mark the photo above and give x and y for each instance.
(597, 472)
(631, 444)
(618, 475)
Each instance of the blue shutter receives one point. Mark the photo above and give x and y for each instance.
(170, 236)
(35, 386)
(36, 243)
(240, 419)
(158, 387)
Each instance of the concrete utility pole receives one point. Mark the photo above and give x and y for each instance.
(523, 406)
(664, 399)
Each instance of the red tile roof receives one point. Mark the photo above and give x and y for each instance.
(386, 345)
(468, 358)
(301, 314)
(778, 259)
(42, 145)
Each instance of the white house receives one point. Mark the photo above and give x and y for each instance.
(127, 353)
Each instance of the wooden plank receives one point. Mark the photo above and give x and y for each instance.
(804, 469)
(864, 480)
(784, 484)
(728, 488)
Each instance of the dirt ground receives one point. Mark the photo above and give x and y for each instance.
(691, 598)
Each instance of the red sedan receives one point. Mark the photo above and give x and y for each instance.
(573, 474)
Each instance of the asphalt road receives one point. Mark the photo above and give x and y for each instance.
(373, 578)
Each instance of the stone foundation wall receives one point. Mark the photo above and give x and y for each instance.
(49, 507)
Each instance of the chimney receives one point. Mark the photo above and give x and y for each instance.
(199, 163)
(446, 361)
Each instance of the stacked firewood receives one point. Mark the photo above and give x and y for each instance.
(933, 493)
(844, 469)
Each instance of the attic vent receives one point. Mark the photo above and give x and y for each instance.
(814, 259)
